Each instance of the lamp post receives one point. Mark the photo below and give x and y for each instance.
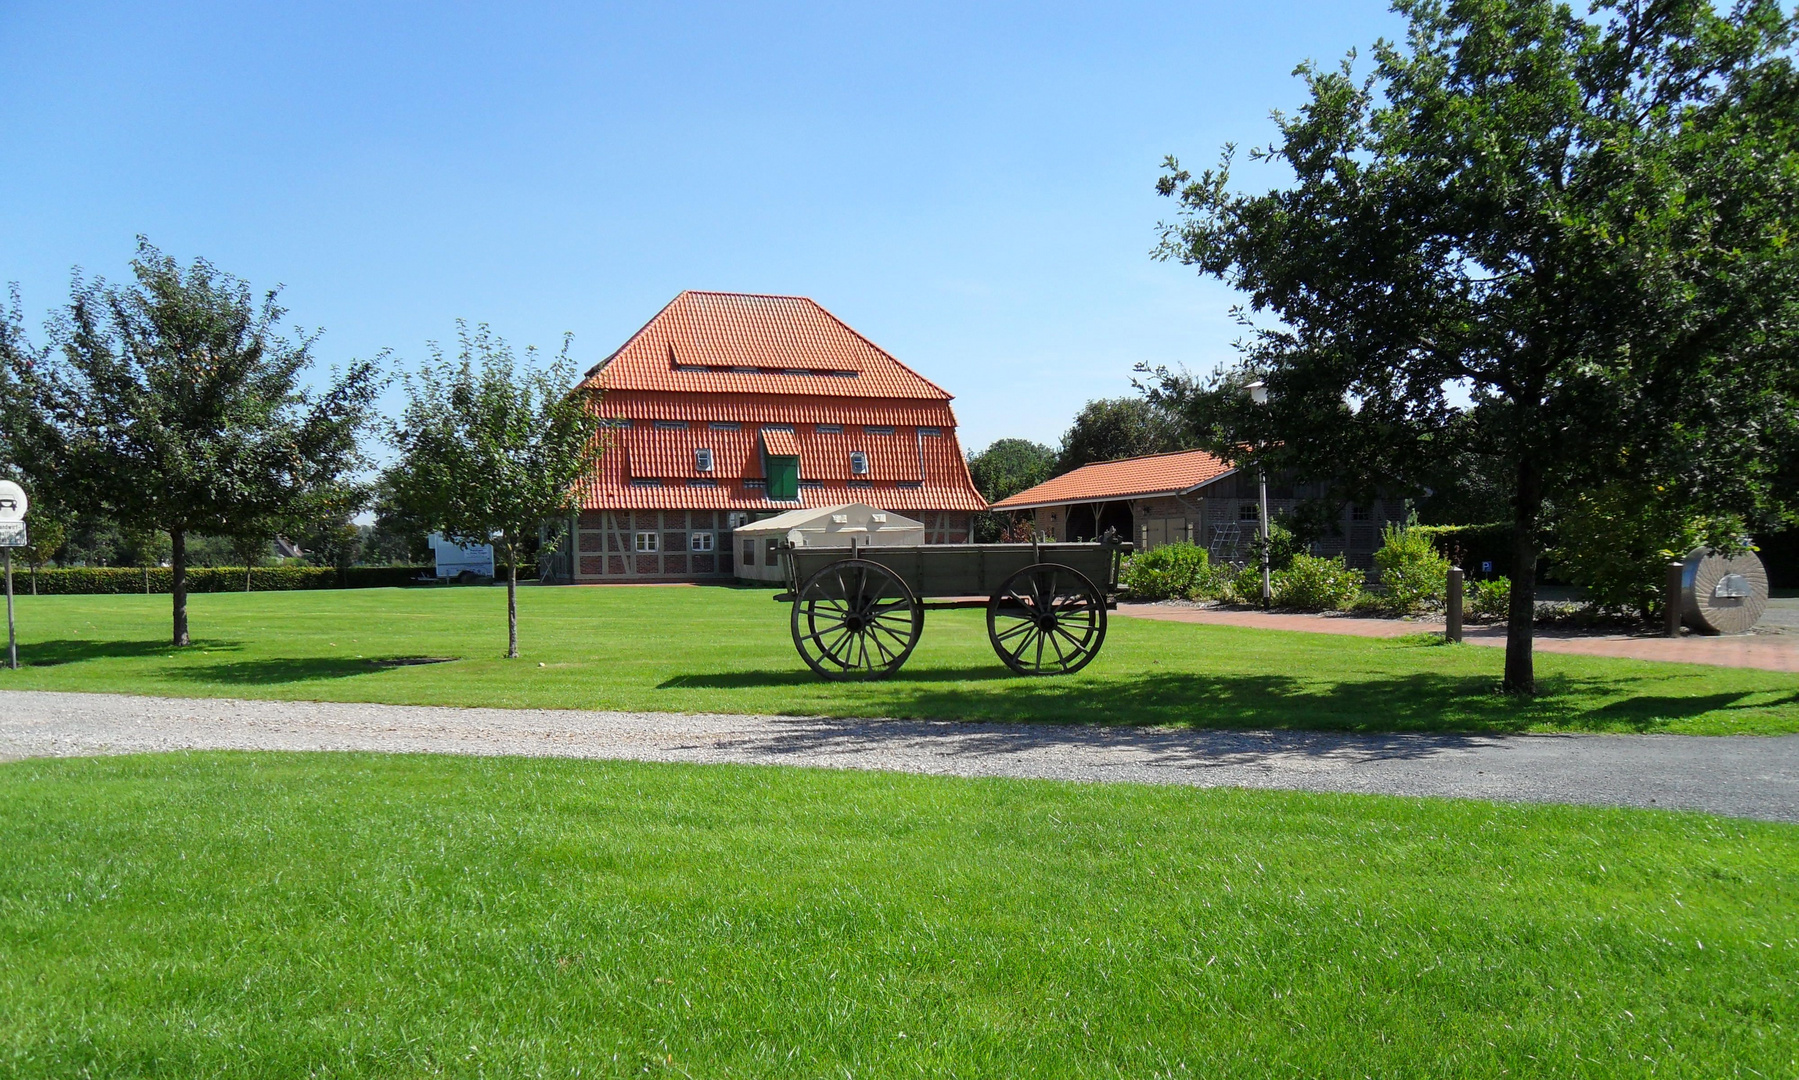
(1258, 393)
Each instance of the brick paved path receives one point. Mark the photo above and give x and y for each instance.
(1770, 652)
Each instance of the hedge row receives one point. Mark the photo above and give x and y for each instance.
(158, 579)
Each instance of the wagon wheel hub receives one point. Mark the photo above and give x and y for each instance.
(855, 622)
(1047, 621)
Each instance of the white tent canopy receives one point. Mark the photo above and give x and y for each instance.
(819, 526)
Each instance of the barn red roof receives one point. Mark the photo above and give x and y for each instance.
(744, 343)
(1152, 475)
(738, 375)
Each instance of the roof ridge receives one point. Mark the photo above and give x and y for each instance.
(633, 336)
(1145, 457)
(897, 362)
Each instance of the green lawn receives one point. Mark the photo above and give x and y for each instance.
(721, 649)
(356, 915)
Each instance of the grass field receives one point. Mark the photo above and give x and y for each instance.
(720, 649)
(348, 915)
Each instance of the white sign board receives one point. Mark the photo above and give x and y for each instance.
(12, 534)
(12, 501)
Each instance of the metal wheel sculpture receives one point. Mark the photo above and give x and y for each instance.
(1047, 619)
(856, 619)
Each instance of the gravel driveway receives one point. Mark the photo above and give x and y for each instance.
(1741, 776)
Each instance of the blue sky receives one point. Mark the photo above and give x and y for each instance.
(971, 186)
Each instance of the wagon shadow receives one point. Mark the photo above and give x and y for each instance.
(745, 680)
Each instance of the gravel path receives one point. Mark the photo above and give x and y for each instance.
(1741, 776)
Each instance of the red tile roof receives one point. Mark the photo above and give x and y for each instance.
(730, 495)
(779, 442)
(733, 343)
(900, 422)
(1153, 475)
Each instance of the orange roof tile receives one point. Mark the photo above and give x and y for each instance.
(1152, 475)
(786, 409)
(779, 442)
(745, 343)
(734, 496)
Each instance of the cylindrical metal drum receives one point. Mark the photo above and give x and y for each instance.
(1722, 594)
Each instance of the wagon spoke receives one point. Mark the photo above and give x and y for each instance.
(1023, 644)
(1020, 628)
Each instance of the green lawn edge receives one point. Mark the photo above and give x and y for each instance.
(727, 650)
(354, 915)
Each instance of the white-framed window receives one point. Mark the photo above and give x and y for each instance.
(858, 462)
(672, 425)
(737, 519)
(881, 429)
(930, 432)
(699, 541)
(702, 459)
(829, 429)
(647, 541)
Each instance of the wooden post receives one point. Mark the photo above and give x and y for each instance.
(1671, 598)
(12, 641)
(1452, 630)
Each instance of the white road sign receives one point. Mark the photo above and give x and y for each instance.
(12, 501)
(12, 534)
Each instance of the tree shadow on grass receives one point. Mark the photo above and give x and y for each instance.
(1418, 702)
(294, 669)
(59, 651)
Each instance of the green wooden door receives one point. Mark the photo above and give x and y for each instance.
(783, 477)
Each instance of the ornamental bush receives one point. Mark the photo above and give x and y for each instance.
(1490, 601)
(1169, 572)
(1414, 575)
(1311, 583)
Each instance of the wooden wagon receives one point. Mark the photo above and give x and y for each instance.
(858, 612)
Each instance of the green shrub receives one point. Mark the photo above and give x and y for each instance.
(1169, 572)
(1311, 583)
(1414, 575)
(1490, 601)
(1242, 586)
(1617, 542)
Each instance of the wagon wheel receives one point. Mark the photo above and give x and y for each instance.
(856, 619)
(1047, 619)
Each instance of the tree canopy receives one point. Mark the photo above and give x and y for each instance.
(1009, 466)
(174, 404)
(1109, 428)
(1563, 244)
(490, 450)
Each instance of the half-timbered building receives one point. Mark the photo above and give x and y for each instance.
(727, 408)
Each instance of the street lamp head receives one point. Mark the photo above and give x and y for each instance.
(1258, 392)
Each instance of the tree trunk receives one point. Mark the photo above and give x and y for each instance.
(512, 609)
(178, 581)
(246, 575)
(1520, 667)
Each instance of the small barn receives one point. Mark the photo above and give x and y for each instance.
(819, 526)
(1190, 497)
